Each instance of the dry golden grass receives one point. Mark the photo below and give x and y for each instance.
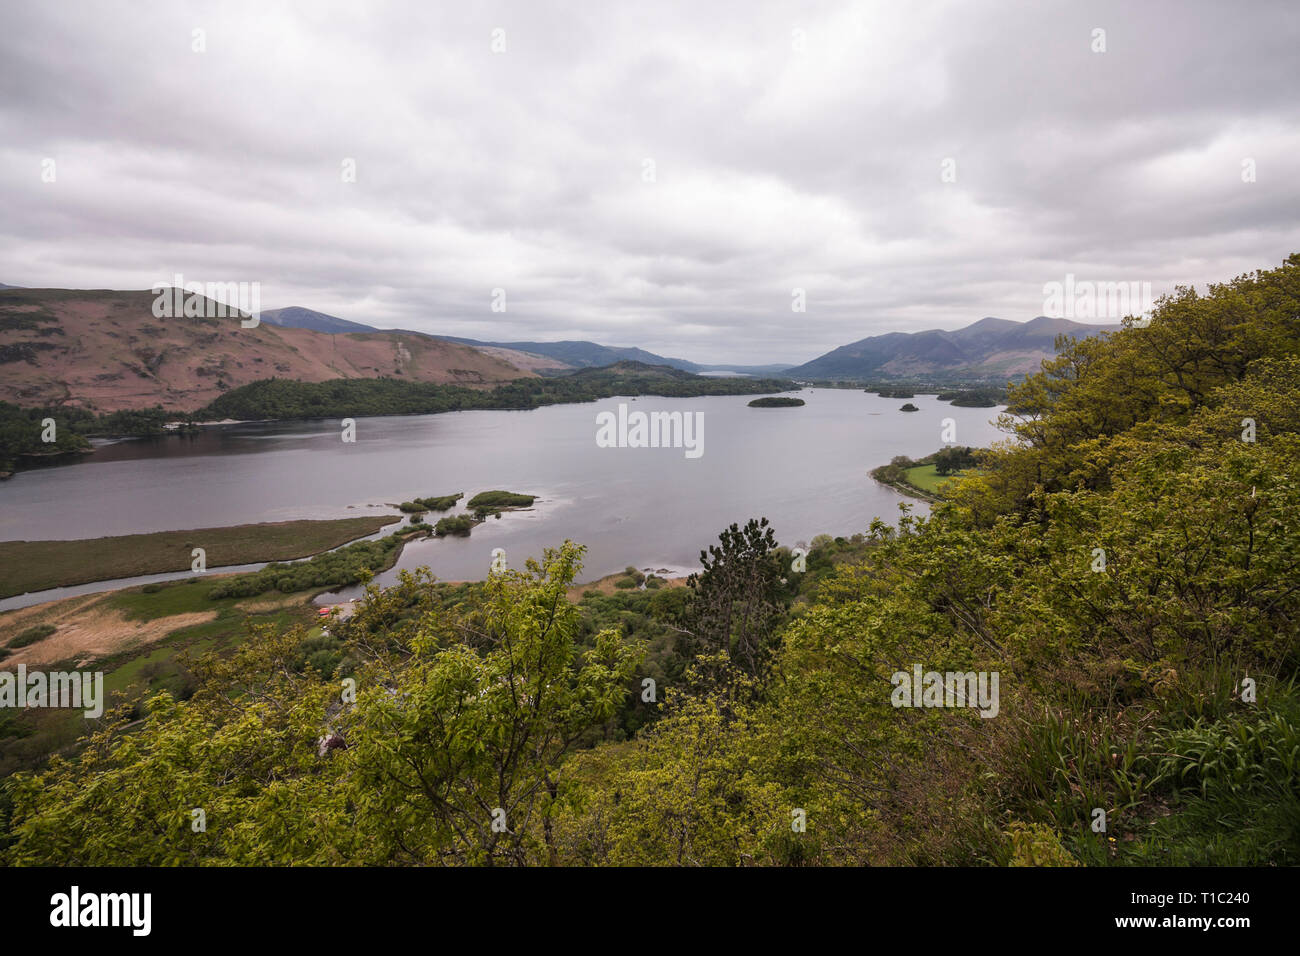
(37, 565)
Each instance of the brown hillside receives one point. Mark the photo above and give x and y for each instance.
(105, 350)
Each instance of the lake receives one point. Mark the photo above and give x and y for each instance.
(805, 469)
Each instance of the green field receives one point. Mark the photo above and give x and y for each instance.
(38, 565)
(926, 478)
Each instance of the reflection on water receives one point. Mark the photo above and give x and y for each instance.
(805, 469)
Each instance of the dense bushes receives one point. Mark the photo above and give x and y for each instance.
(458, 524)
(974, 398)
(491, 502)
(31, 635)
(1127, 568)
(443, 503)
(953, 459)
(436, 725)
(776, 401)
(22, 431)
(339, 568)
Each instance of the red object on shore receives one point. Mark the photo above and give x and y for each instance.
(325, 610)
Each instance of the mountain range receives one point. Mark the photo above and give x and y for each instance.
(105, 349)
(564, 355)
(991, 349)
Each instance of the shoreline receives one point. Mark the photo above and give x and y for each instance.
(375, 526)
(903, 488)
(178, 426)
(231, 549)
(96, 613)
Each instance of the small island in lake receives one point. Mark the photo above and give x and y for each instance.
(481, 506)
(494, 502)
(457, 524)
(776, 401)
(438, 503)
(909, 407)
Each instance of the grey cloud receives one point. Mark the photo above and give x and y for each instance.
(774, 168)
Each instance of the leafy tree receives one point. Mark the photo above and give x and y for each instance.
(1127, 567)
(737, 595)
(691, 793)
(443, 733)
(953, 459)
(459, 759)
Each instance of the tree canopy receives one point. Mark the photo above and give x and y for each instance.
(1127, 563)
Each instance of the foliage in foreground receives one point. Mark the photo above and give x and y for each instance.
(451, 750)
(1128, 568)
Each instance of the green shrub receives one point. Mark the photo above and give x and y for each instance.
(1258, 752)
(436, 503)
(1033, 844)
(486, 502)
(443, 503)
(337, 568)
(457, 524)
(32, 635)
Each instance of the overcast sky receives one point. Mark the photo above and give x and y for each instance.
(793, 145)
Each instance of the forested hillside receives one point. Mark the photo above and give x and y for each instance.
(22, 431)
(1128, 563)
(283, 399)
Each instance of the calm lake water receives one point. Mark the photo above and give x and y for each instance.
(805, 469)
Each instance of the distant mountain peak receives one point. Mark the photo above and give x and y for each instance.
(295, 316)
(991, 349)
